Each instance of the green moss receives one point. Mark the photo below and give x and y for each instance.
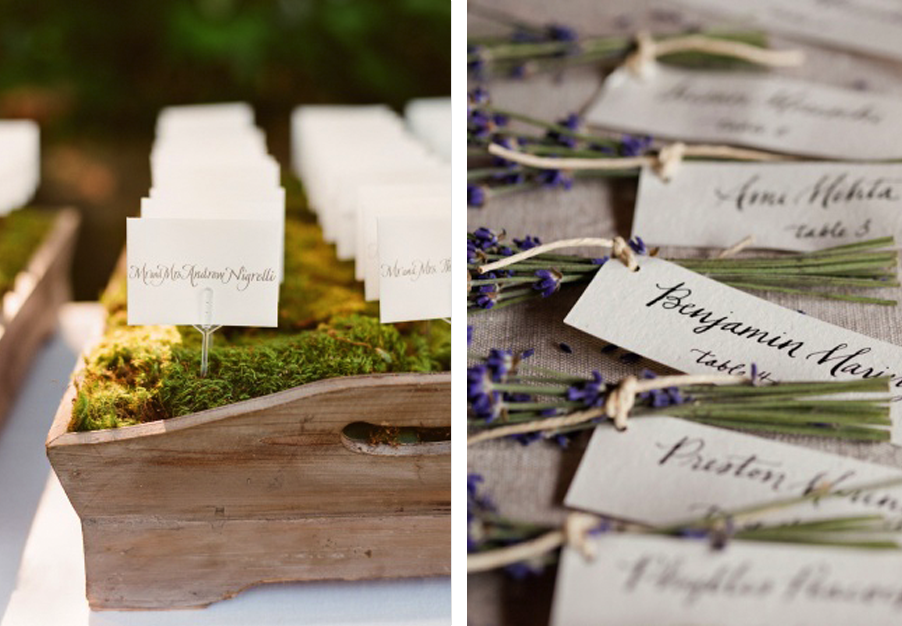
(326, 329)
(21, 233)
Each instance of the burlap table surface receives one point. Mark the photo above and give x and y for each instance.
(529, 482)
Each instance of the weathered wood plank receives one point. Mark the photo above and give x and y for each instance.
(28, 314)
(167, 565)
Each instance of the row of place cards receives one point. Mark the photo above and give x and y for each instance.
(382, 195)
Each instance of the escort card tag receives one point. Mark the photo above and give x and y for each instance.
(415, 262)
(699, 326)
(694, 470)
(870, 26)
(172, 263)
(637, 581)
(785, 206)
(779, 114)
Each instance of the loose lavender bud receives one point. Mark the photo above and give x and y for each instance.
(565, 347)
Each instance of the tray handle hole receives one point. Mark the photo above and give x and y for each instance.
(385, 440)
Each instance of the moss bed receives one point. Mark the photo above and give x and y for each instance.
(21, 234)
(145, 373)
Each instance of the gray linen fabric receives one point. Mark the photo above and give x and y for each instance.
(529, 482)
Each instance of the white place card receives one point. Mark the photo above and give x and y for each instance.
(415, 267)
(185, 271)
(637, 581)
(780, 114)
(869, 26)
(664, 470)
(785, 206)
(371, 199)
(347, 198)
(407, 208)
(697, 325)
(212, 119)
(20, 163)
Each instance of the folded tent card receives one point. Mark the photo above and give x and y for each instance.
(385, 203)
(430, 120)
(208, 248)
(20, 167)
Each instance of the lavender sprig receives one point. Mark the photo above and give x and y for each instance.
(504, 394)
(523, 548)
(530, 49)
(831, 273)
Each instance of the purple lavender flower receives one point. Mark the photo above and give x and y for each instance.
(475, 195)
(549, 282)
(500, 363)
(638, 246)
(484, 401)
(480, 95)
(589, 392)
(559, 32)
(469, 335)
(488, 294)
(485, 238)
(528, 242)
(632, 145)
(600, 261)
(565, 347)
(555, 178)
(477, 65)
(571, 122)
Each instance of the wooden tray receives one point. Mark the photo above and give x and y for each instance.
(187, 511)
(29, 309)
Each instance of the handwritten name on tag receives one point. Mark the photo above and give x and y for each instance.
(781, 114)
(697, 325)
(415, 267)
(870, 26)
(694, 470)
(673, 582)
(191, 271)
(785, 206)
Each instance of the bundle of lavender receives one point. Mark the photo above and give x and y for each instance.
(526, 272)
(510, 398)
(523, 548)
(539, 153)
(528, 49)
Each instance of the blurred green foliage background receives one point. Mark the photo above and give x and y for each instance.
(95, 73)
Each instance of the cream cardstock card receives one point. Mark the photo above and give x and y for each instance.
(409, 208)
(785, 206)
(780, 114)
(869, 26)
(694, 470)
(415, 267)
(187, 271)
(697, 325)
(638, 581)
(371, 199)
